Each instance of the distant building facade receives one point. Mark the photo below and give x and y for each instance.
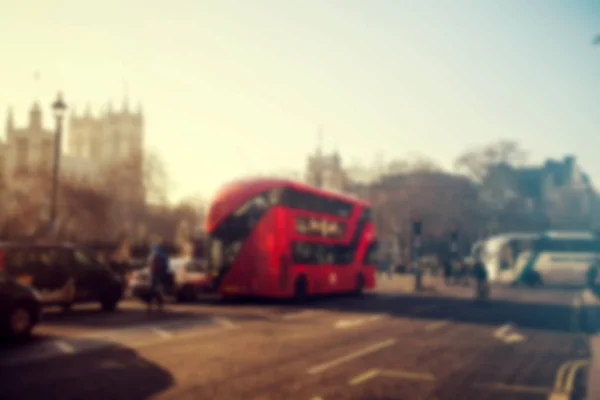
(107, 139)
(559, 189)
(94, 145)
(326, 171)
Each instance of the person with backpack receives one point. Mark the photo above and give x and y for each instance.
(159, 273)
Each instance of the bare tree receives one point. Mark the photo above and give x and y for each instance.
(475, 163)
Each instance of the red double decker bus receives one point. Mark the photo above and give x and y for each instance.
(279, 238)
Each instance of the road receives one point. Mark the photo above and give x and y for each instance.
(390, 344)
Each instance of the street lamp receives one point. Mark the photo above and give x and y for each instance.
(59, 108)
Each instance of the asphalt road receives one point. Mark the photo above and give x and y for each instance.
(523, 344)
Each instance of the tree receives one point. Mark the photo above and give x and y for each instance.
(476, 163)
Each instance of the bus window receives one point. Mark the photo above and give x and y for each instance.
(305, 201)
(304, 253)
(370, 257)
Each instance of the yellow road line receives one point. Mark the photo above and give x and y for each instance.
(560, 376)
(565, 379)
(570, 381)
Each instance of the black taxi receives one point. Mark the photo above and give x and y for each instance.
(61, 274)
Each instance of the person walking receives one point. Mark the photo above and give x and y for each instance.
(482, 289)
(159, 271)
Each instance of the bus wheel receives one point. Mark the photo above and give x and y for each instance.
(360, 285)
(300, 290)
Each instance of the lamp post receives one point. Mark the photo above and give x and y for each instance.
(59, 108)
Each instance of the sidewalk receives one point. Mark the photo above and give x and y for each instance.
(432, 285)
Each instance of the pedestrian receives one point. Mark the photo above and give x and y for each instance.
(481, 279)
(592, 273)
(448, 271)
(159, 272)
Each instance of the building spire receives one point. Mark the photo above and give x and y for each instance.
(36, 82)
(10, 123)
(320, 140)
(125, 106)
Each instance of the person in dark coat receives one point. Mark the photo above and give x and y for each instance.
(159, 272)
(480, 274)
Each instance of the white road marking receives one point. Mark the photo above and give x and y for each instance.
(298, 314)
(501, 332)
(436, 325)
(348, 357)
(507, 335)
(370, 374)
(162, 333)
(348, 323)
(65, 347)
(225, 322)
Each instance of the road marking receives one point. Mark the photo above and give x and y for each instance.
(515, 388)
(65, 347)
(225, 322)
(298, 314)
(436, 325)
(369, 374)
(575, 367)
(399, 374)
(565, 379)
(348, 357)
(504, 333)
(415, 376)
(503, 330)
(162, 333)
(349, 323)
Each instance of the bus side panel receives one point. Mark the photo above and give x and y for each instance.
(280, 262)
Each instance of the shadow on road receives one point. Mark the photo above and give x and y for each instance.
(112, 373)
(544, 316)
(559, 317)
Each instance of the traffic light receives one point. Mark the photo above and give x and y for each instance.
(417, 227)
(454, 235)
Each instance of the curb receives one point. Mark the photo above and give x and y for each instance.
(591, 308)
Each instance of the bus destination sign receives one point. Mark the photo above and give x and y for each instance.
(320, 227)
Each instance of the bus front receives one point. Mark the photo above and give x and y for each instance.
(240, 238)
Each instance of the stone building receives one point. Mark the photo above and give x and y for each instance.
(326, 171)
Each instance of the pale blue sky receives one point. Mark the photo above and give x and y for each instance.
(239, 87)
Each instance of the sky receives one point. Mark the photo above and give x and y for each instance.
(240, 87)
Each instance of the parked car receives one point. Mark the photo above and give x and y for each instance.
(19, 308)
(62, 274)
(189, 278)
